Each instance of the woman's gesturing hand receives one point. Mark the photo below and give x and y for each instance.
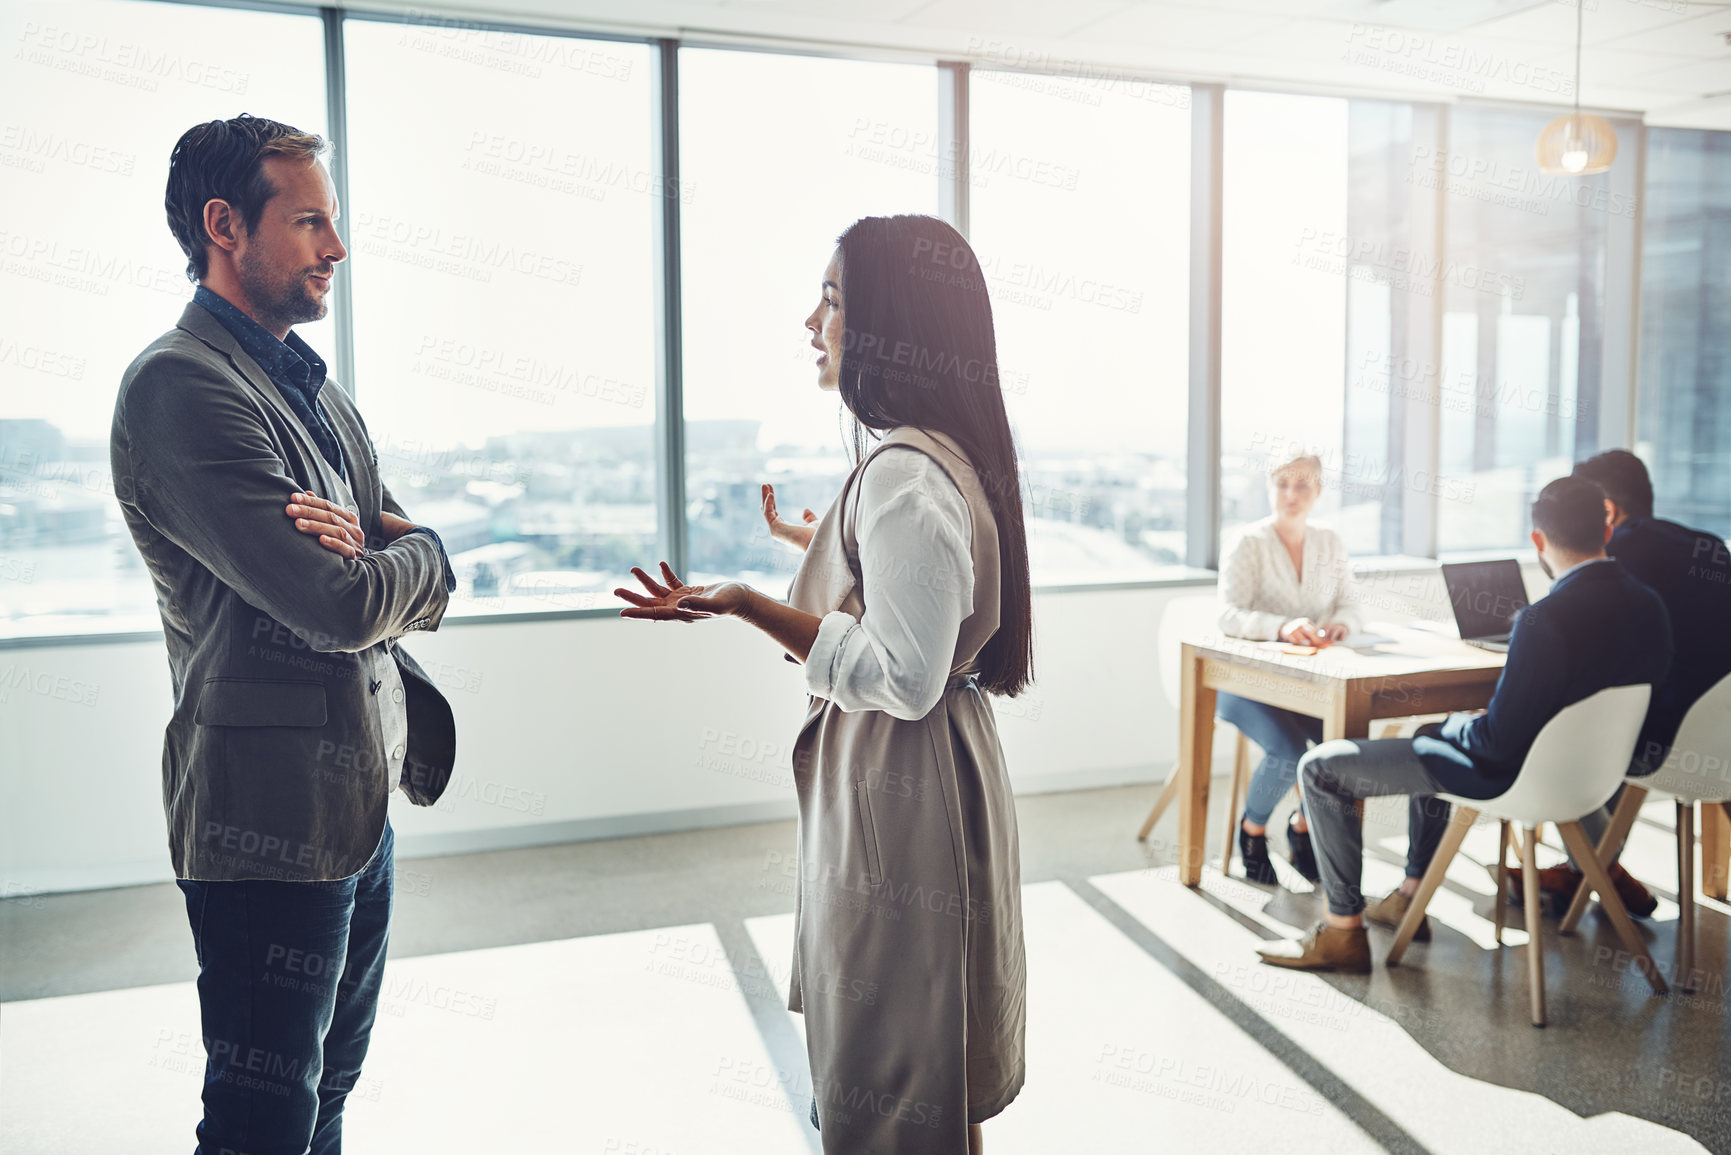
(798, 536)
(678, 602)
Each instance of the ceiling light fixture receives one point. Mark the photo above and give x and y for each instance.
(1580, 143)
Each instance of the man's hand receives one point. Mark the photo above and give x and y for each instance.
(338, 529)
(1335, 631)
(393, 526)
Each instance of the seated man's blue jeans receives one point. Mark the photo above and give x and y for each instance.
(1333, 777)
(1284, 737)
(288, 985)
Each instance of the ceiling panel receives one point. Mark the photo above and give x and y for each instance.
(998, 18)
(1164, 27)
(1640, 52)
(1608, 22)
(1702, 36)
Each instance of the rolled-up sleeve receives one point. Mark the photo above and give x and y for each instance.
(917, 574)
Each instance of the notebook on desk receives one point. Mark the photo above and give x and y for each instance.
(1486, 596)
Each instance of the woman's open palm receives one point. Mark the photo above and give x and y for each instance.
(796, 535)
(678, 602)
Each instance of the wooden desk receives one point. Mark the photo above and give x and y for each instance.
(1416, 672)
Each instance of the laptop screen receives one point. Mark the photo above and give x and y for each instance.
(1486, 596)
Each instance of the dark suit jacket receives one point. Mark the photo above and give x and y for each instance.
(1597, 628)
(294, 714)
(1690, 570)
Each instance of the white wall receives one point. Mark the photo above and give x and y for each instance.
(581, 729)
(566, 729)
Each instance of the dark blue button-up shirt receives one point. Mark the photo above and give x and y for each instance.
(298, 374)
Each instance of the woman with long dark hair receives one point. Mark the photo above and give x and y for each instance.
(912, 603)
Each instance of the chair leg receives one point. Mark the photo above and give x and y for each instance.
(1460, 822)
(1685, 966)
(1535, 944)
(1167, 794)
(1711, 831)
(1502, 877)
(1623, 821)
(1234, 799)
(1582, 848)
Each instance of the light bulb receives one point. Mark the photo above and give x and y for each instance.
(1575, 159)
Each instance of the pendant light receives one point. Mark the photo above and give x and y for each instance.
(1580, 143)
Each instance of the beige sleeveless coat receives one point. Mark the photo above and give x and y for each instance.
(908, 961)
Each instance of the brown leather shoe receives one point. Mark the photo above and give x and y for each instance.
(1636, 898)
(1556, 887)
(1391, 909)
(1326, 949)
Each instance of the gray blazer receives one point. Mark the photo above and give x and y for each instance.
(295, 715)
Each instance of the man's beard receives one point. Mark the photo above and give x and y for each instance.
(281, 301)
(1546, 568)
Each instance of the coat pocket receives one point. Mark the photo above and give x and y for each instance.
(868, 834)
(258, 702)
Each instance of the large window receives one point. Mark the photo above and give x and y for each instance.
(780, 154)
(96, 93)
(502, 220)
(1319, 281)
(1402, 293)
(1080, 213)
(1522, 335)
(1685, 417)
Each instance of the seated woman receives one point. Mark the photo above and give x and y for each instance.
(1282, 579)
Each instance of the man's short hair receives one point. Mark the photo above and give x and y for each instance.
(224, 160)
(1623, 477)
(1570, 511)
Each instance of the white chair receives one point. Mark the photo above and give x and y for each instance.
(1574, 766)
(1181, 616)
(1698, 769)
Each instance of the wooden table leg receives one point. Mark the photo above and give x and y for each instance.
(1348, 714)
(1715, 853)
(1348, 717)
(1195, 762)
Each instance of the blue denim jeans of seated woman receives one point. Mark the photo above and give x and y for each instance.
(289, 975)
(1283, 736)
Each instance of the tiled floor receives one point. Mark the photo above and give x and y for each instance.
(542, 1023)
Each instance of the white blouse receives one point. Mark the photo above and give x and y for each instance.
(916, 557)
(1259, 592)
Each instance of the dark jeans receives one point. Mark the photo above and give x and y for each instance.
(288, 986)
(1284, 737)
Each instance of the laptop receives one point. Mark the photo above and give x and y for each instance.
(1486, 596)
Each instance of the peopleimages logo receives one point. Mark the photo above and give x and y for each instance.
(1464, 66)
(1516, 186)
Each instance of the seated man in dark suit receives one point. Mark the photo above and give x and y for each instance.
(1598, 627)
(1690, 570)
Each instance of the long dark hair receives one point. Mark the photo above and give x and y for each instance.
(918, 348)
